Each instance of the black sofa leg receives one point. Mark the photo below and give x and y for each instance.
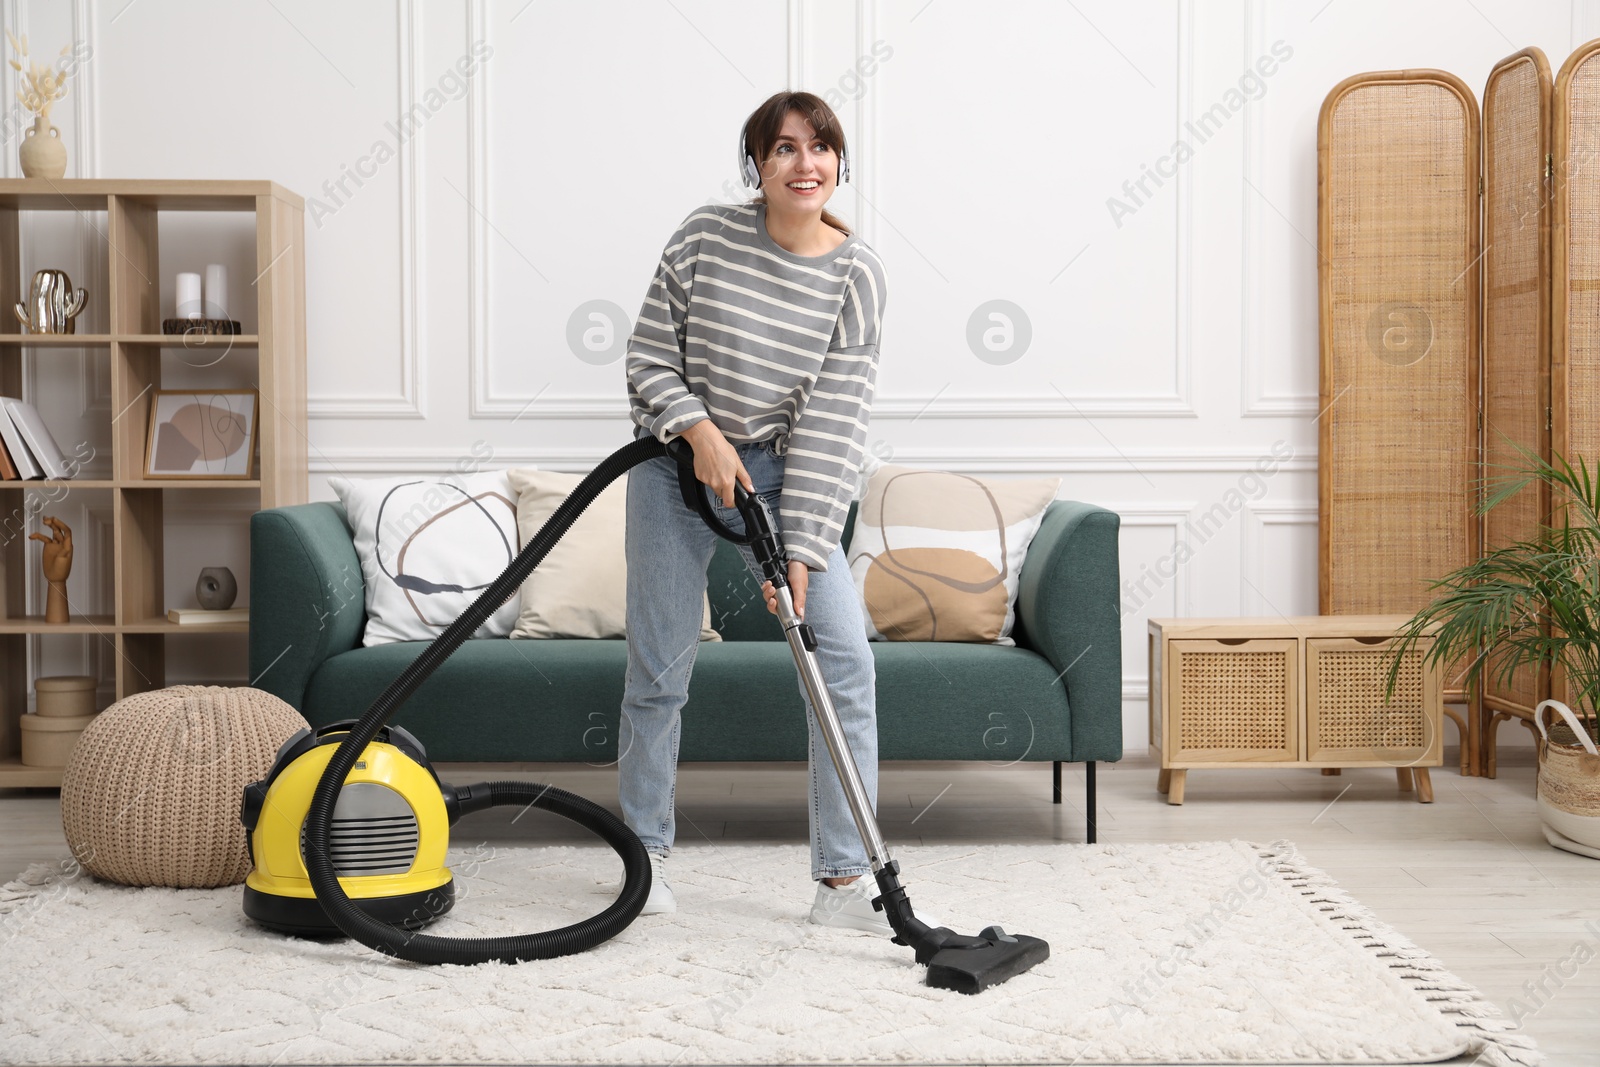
(1088, 773)
(1055, 790)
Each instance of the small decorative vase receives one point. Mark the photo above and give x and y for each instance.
(53, 306)
(42, 153)
(216, 588)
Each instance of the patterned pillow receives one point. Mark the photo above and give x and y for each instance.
(428, 546)
(581, 588)
(936, 555)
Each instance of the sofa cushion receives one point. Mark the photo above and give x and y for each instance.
(560, 700)
(428, 548)
(936, 555)
(580, 588)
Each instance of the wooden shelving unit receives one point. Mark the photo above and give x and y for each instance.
(138, 628)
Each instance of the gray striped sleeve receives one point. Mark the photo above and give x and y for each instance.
(657, 391)
(824, 451)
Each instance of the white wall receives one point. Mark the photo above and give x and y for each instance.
(1173, 339)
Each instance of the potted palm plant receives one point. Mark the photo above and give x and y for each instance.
(1535, 604)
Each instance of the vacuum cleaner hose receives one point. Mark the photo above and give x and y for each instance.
(418, 947)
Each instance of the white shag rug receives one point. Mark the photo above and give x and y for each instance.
(1208, 952)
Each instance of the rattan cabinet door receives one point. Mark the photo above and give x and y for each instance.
(1516, 316)
(1233, 701)
(1398, 447)
(1347, 719)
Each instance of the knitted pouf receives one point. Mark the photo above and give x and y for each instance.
(151, 792)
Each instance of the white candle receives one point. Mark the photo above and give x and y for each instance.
(216, 291)
(189, 306)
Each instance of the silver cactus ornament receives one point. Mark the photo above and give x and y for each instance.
(53, 303)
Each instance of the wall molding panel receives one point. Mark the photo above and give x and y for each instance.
(1255, 401)
(1174, 515)
(1585, 21)
(1252, 552)
(486, 403)
(409, 404)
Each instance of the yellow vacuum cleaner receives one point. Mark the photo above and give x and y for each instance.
(349, 829)
(391, 827)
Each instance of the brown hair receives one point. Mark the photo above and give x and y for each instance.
(762, 128)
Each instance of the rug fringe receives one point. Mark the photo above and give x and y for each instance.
(1493, 1040)
(27, 885)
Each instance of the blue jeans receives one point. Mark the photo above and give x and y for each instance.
(669, 549)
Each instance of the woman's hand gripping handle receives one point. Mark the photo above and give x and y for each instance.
(717, 464)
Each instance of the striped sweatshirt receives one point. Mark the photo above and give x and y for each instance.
(770, 346)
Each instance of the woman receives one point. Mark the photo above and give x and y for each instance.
(758, 343)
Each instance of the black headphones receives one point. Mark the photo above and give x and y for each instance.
(752, 173)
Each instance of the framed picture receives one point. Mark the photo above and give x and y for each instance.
(210, 434)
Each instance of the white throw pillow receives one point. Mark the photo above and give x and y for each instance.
(936, 555)
(428, 546)
(580, 589)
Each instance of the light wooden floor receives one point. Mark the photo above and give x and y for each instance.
(1469, 877)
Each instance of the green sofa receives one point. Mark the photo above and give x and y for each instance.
(1055, 697)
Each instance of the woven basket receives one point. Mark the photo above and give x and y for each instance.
(1569, 778)
(150, 796)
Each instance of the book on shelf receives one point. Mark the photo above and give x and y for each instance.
(35, 437)
(201, 616)
(8, 469)
(20, 458)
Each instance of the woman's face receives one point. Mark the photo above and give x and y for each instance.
(799, 158)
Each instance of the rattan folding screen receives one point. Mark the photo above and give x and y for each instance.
(1535, 286)
(1398, 424)
(1575, 269)
(1516, 326)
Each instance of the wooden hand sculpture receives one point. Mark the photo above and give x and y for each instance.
(57, 565)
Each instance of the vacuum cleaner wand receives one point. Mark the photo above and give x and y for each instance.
(954, 961)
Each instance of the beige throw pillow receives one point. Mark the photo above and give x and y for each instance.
(936, 555)
(581, 587)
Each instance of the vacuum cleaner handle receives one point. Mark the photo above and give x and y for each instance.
(759, 532)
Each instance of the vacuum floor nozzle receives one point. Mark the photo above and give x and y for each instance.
(955, 961)
(973, 969)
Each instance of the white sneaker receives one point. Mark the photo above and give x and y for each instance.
(849, 907)
(660, 901)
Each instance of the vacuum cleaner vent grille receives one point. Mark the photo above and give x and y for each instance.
(374, 831)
